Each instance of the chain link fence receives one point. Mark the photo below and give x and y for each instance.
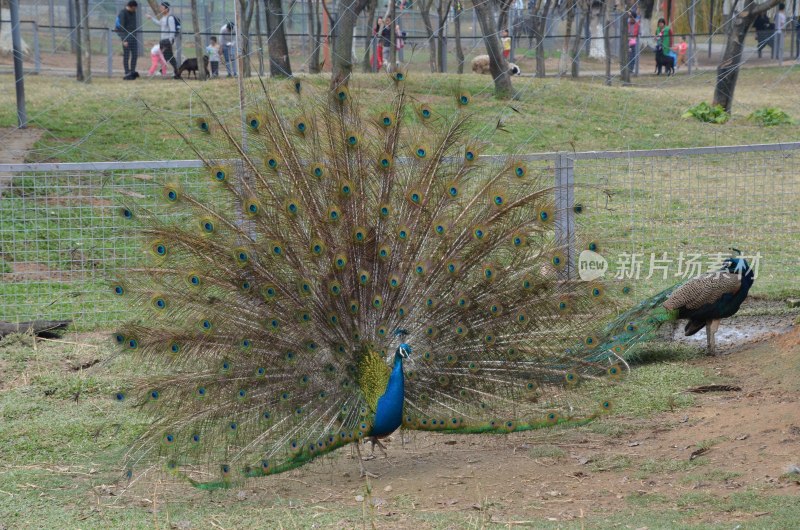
(654, 217)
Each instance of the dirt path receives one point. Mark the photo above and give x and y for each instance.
(14, 146)
(729, 442)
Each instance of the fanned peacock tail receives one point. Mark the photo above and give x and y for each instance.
(270, 299)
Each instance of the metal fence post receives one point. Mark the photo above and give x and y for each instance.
(37, 52)
(110, 51)
(565, 215)
(52, 20)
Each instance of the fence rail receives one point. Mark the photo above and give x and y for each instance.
(61, 233)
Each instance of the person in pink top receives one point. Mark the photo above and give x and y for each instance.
(681, 48)
(157, 61)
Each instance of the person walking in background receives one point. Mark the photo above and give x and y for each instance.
(157, 61)
(386, 41)
(168, 32)
(506, 40)
(212, 50)
(664, 39)
(633, 40)
(780, 22)
(226, 39)
(377, 61)
(126, 29)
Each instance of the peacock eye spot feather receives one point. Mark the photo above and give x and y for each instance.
(426, 113)
(119, 396)
(195, 438)
(421, 152)
(119, 290)
(519, 171)
(201, 391)
(219, 175)
(133, 344)
(154, 394)
(543, 216)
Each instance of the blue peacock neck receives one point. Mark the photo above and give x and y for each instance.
(389, 413)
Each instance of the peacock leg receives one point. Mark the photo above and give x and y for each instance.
(364, 472)
(711, 329)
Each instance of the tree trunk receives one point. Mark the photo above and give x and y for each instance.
(565, 52)
(392, 38)
(342, 59)
(315, 25)
(498, 65)
(425, 13)
(198, 42)
(502, 17)
(259, 39)
(458, 9)
(87, 44)
(607, 38)
(442, 9)
(624, 71)
(247, 20)
(366, 63)
(78, 42)
(539, 29)
(728, 69)
(577, 41)
(276, 40)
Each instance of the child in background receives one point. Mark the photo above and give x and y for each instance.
(681, 49)
(506, 44)
(213, 51)
(157, 61)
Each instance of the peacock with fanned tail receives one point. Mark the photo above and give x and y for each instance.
(354, 274)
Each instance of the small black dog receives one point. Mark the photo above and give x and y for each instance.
(190, 65)
(664, 61)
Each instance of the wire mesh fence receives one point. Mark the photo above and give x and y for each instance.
(655, 217)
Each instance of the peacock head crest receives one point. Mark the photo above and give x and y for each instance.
(403, 350)
(737, 264)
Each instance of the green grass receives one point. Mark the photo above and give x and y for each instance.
(63, 441)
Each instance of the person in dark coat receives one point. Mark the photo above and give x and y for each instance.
(126, 29)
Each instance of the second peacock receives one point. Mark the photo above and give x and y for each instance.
(351, 272)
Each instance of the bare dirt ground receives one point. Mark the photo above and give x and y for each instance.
(727, 443)
(14, 146)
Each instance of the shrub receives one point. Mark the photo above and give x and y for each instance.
(770, 116)
(706, 113)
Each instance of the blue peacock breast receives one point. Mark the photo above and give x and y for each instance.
(389, 412)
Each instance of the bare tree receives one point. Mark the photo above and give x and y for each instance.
(366, 64)
(198, 43)
(342, 60)
(728, 69)
(498, 66)
(442, 9)
(315, 30)
(580, 27)
(607, 38)
(572, 6)
(259, 39)
(87, 43)
(78, 43)
(502, 17)
(458, 8)
(248, 8)
(276, 39)
(539, 10)
(425, 13)
(624, 69)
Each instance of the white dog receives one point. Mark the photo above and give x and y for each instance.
(480, 65)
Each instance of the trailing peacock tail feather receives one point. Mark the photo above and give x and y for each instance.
(638, 324)
(344, 271)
